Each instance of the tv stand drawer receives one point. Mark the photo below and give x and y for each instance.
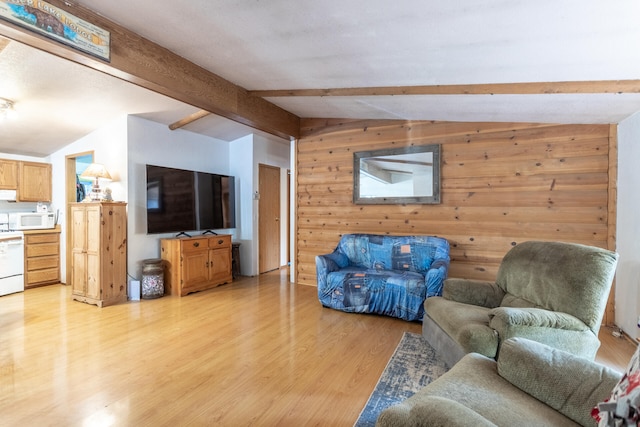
(194, 244)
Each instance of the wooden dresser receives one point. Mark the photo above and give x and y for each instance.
(196, 263)
(41, 257)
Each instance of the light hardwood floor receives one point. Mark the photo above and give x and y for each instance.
(259, 351)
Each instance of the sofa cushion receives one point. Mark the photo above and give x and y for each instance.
(390, 292)
(468, 325)
(510, 300)
(381, 252)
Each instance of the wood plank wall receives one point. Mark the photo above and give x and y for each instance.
(502, 184)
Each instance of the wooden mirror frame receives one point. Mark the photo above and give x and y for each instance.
(401, 153)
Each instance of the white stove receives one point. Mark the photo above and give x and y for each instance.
(11, 234)
(11, 259)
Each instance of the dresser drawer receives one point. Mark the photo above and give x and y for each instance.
(43, 276)
(220, 242)
(43, 262)
(32, 239)
(194, 245)
(42, 249)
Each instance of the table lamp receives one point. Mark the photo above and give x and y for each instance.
(96, 171)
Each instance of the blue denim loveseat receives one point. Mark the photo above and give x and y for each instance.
(390, 275)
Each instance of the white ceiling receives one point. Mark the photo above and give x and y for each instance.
(319, 44)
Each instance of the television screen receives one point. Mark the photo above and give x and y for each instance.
(181, 200)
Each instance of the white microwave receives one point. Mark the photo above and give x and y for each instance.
(31, 220)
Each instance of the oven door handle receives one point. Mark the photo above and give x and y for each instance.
(11, 240)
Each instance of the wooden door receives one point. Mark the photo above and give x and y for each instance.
(34, 182)
(94, 249)
(195, 267)
(219, 264)
(113, 257)
(269, 219)
(71, 196)
(78, 239)
(8, 174)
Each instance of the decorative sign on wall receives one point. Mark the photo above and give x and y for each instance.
(57, 24)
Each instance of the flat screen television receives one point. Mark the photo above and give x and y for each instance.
(181, 200)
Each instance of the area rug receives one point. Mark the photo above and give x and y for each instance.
(412, 366)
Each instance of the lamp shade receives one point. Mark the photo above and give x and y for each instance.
(96, 170)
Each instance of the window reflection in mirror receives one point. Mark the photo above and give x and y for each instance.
(397, 176)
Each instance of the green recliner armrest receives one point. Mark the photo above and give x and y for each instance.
(438, 411)
(432, 411)
(502, 317)
(557, 329)
(569, 384)
(475, 292)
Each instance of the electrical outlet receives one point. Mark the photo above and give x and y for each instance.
(134, 290)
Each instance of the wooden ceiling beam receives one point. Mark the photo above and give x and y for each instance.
(534, 88)
(4, 43)
(189, 119)
(146, 64)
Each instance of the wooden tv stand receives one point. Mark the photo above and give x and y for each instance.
(196, 263)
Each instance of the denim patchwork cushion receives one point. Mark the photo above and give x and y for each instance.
(390, 275)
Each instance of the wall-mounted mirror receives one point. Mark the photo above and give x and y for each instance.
(397, 175)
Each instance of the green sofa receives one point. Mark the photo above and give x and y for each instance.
(531, 384)
(550, 292)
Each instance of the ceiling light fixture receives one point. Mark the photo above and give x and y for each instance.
(5, 105)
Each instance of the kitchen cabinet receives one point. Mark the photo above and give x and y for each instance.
(196, 263)
(34, 182)
(41, 257)
(99, 253)
(8, 174)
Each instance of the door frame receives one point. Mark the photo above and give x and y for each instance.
(70, 197)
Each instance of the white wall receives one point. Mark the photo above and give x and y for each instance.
(128, 143)
(273, 152)
(241, 159)
(109, 145)
(627, 293)
(246, 154)
(293, 250)
(132, 142)
(153, 143)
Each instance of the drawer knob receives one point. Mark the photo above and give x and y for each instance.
(196, 244)
(220, 241)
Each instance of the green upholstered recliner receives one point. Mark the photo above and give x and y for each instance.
(555, 388)
(551, 292)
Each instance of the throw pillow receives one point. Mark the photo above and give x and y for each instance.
(623, 407)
